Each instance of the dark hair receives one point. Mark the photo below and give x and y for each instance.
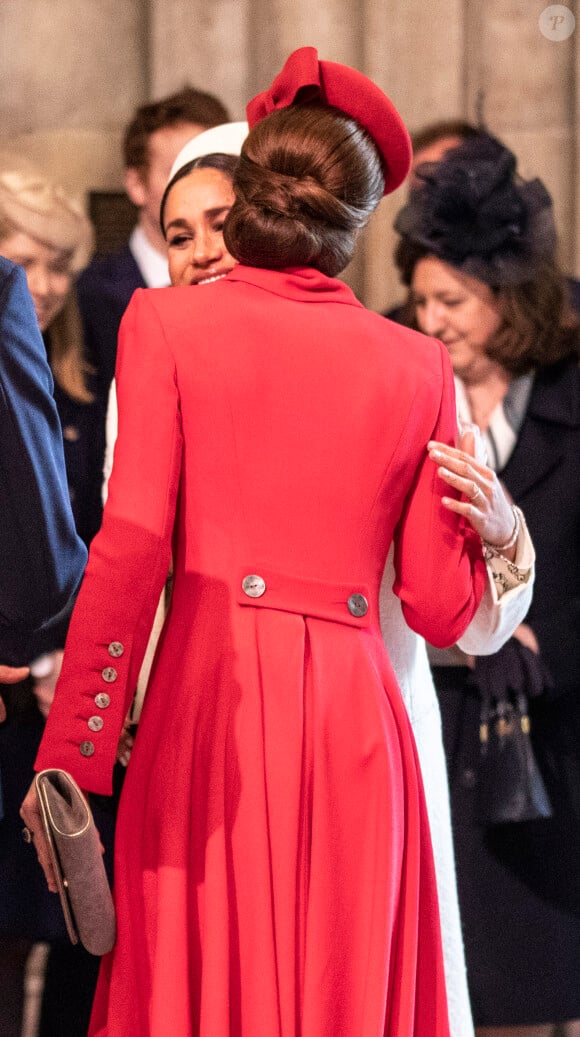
(226, 164)
(538, 327)
(188, 105)
(308, 179)
(436, 131)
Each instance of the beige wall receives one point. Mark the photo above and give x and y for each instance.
(73, 70)
(71, 74)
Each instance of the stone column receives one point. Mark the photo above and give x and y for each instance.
(204, 44)
(71, 75)
(334, 27)
(528, 81)
(414, 51)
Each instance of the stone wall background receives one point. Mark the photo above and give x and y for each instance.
(72, 72)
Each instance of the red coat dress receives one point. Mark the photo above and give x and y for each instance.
(274, 874)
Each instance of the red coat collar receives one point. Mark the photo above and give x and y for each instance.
(305, 284)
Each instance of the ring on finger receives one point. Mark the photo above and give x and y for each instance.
(27, 835)
(477, 495)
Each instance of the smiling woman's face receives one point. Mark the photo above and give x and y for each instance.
(194, 216)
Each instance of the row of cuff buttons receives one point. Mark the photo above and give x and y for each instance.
(255, 586)
(102, 699)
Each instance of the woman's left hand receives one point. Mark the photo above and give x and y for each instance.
(485, 503)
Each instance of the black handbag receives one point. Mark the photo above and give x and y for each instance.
(509, 786)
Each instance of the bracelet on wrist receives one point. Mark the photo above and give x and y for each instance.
(498, 549)
(519, 575)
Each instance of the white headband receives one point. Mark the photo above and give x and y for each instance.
(226, 139)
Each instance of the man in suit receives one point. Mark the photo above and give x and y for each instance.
(152, 141)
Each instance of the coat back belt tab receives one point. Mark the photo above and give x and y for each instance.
(259, 586)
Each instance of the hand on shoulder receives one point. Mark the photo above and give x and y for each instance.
(483, 502)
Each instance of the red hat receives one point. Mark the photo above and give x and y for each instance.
(304, 79)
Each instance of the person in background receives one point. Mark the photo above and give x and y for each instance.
(46, 233)
(197, 255)
(155, 135)
(477, 250)
(430, 144)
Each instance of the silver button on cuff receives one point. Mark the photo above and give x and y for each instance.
(109, 674)
(254, 586)
(102, 700)
(95, 723)
(86, 748)
(357, 605)
(116, 649)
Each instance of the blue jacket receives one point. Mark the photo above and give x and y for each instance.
(41, 557)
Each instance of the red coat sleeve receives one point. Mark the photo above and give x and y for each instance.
(440, 571)
(128, 561)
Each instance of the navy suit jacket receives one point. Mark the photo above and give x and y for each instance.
(41, 557)
(104, 290)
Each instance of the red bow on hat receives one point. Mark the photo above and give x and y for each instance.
(297, 83)
(304, 79)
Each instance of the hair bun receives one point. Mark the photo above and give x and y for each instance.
(293, 197)
(307, 180)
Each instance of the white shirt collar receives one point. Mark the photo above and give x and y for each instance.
(151, 263)
(505, 420)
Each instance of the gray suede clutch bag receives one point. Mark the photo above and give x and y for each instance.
(77, 859)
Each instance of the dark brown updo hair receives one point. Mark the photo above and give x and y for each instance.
(307, 181)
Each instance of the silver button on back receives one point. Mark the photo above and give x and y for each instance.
(357, 605)
(254, 586)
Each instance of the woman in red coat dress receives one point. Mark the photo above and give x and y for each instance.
(274, 873)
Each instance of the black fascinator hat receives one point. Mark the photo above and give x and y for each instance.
(474, 211)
